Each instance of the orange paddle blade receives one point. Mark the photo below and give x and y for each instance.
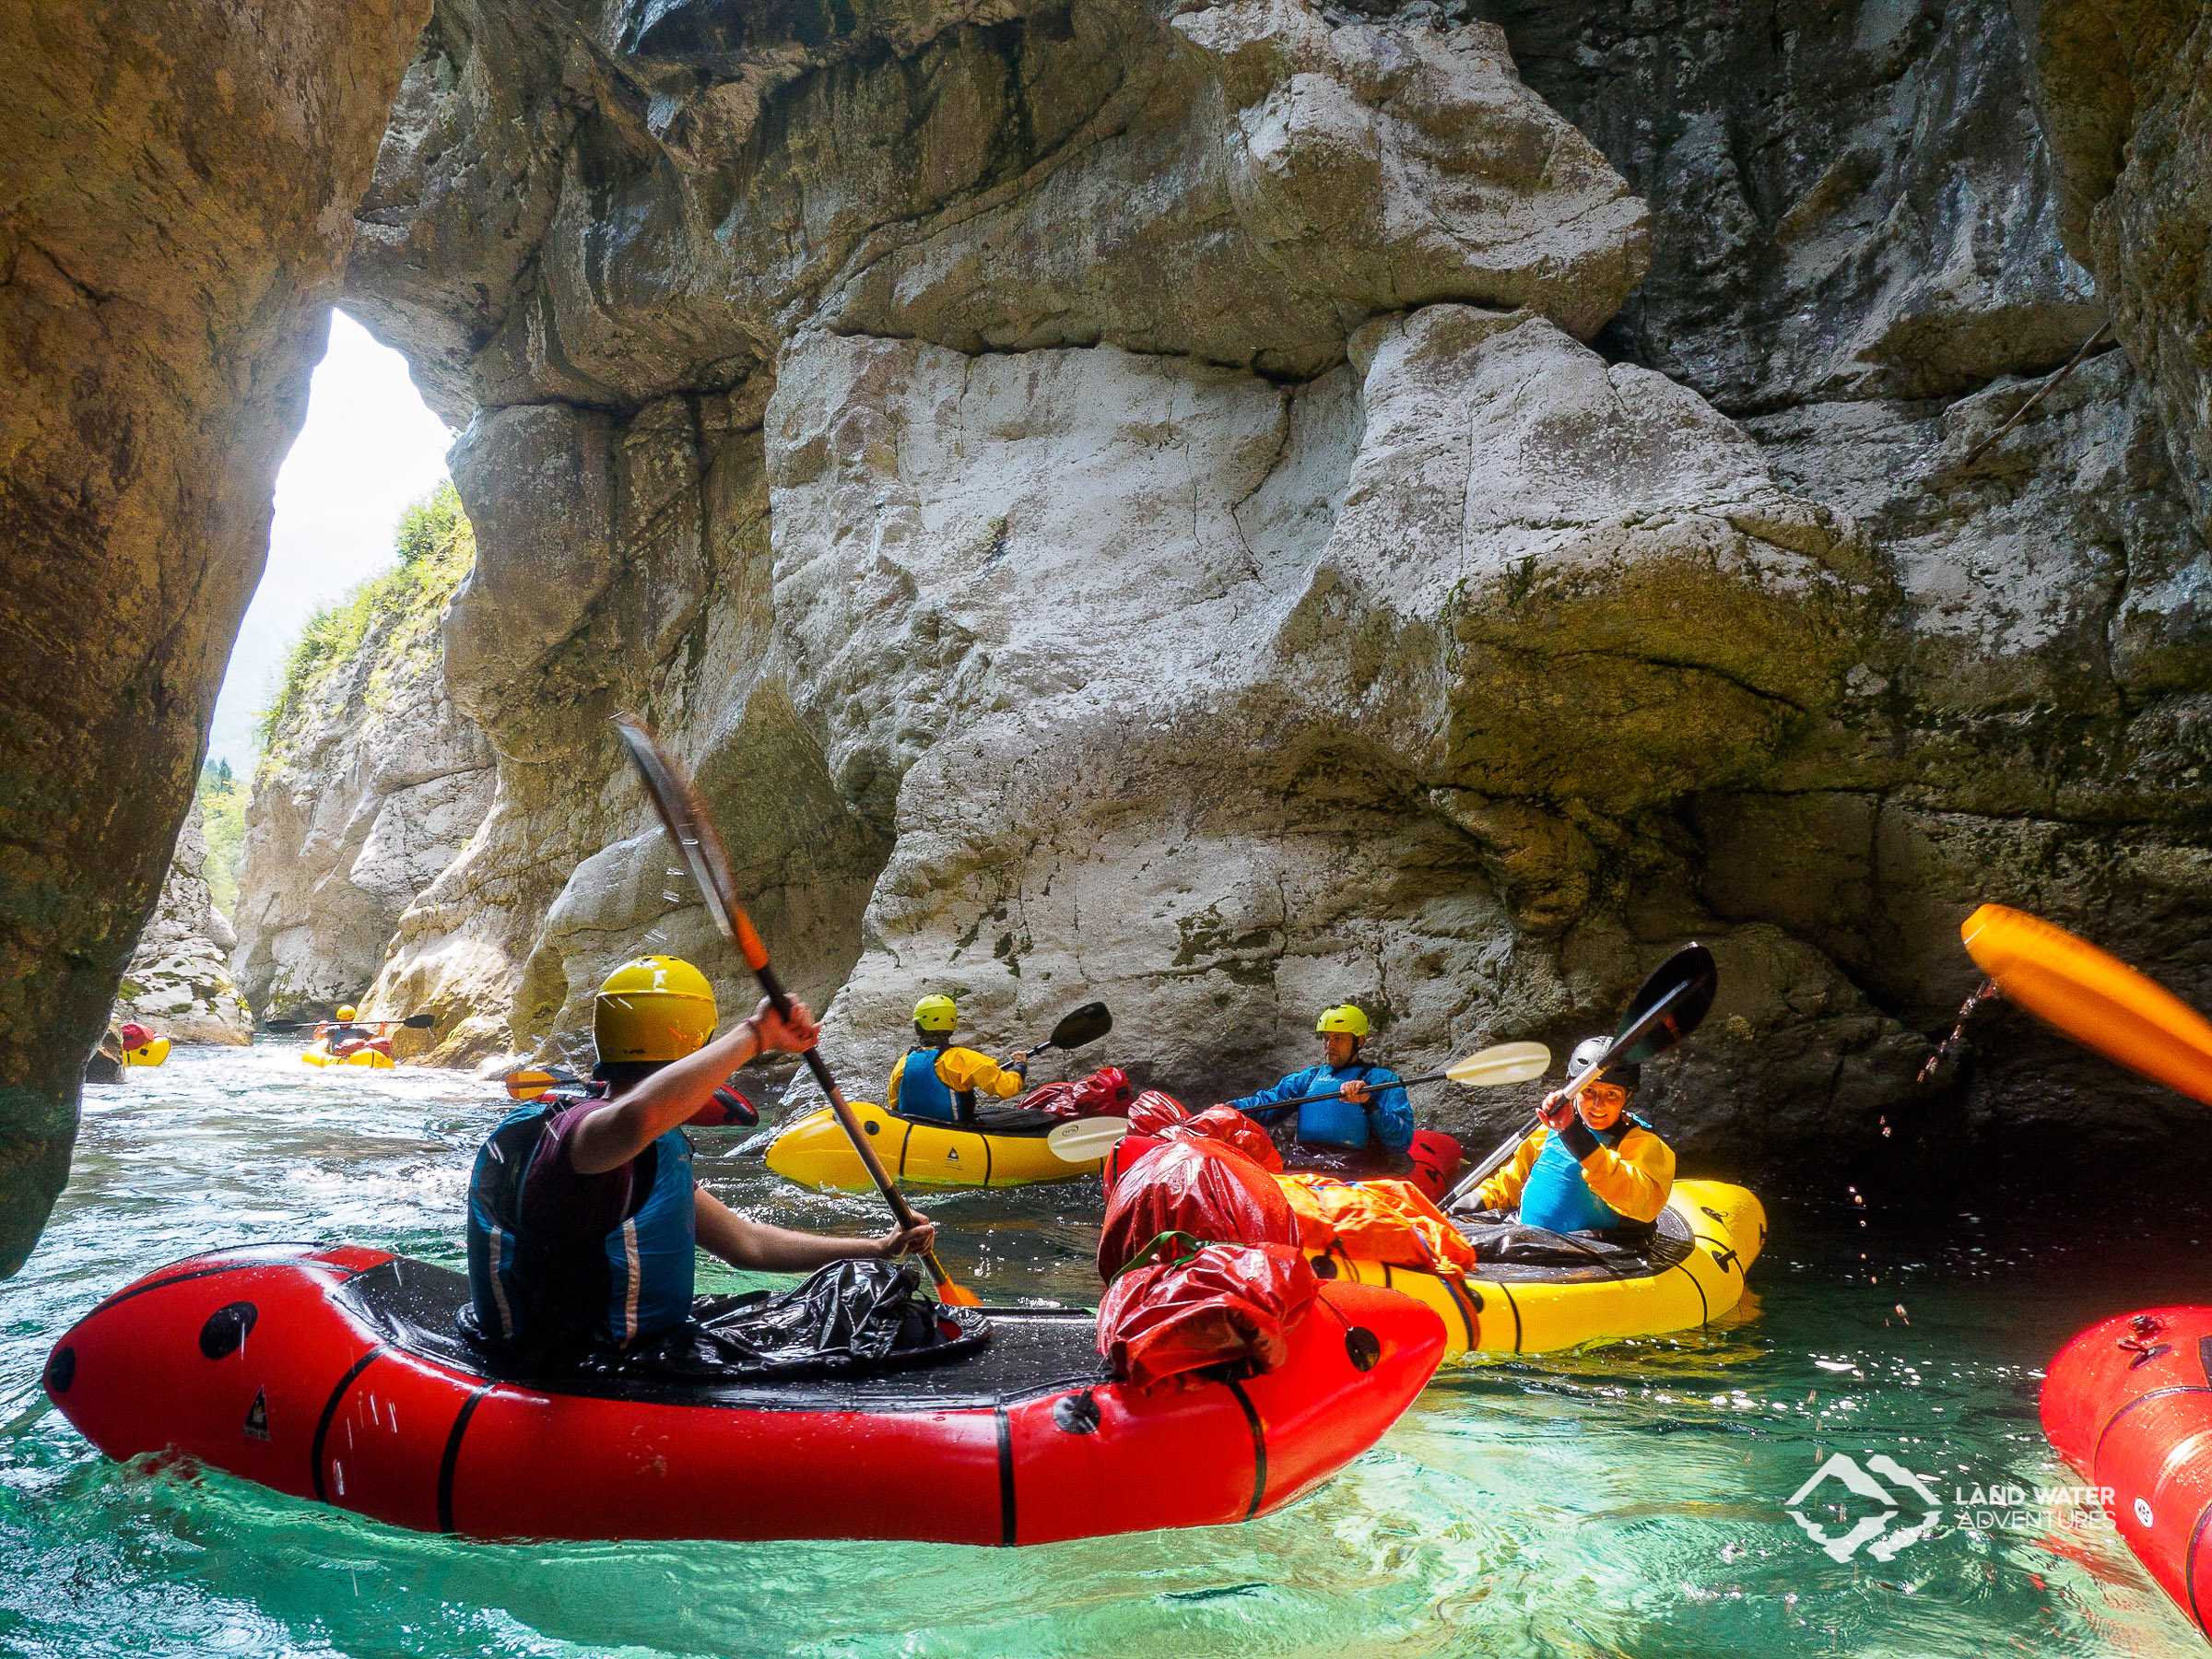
(529, 1084)
(2093, 998)
(958, 1296)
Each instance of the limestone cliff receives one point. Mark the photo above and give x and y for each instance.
(177, 984)
(176, 182)
(2126, 96)
(1169, 504)
(370, 781)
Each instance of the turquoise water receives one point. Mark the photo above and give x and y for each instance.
(1627, 1501)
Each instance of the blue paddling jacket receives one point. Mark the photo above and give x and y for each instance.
(1387, 1118)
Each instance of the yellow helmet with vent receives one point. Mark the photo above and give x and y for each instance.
(936, 1014)
(1343, 1017)
(653, 1008)
(346, 1011)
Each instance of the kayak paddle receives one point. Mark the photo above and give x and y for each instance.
(529, 1084)
(1087, 1024)
(413, 1022)
(1666, 1007)
(2095, 999)
(1485, 1069)
(684, 814)
(1082, 1139)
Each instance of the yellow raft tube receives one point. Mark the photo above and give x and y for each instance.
(1710, 1234)
(813, 1152)
(319, 1056)
(151, 1052)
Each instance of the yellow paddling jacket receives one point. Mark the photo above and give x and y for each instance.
(1633, 1176)
(946, 1092)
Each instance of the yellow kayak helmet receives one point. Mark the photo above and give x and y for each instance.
(653, 1008)
(346, 1011)
(1343, 1017)
(936, 1014)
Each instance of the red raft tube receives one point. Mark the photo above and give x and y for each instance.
(334, 1373)
(2129, 1404)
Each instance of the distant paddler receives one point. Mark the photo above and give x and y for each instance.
(1352, 1113)
(341, 1037)
(936, 1081)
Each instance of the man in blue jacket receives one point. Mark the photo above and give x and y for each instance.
(1369, 1117)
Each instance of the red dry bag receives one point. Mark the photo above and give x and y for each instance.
(1196, 1187)
(1221, 1304)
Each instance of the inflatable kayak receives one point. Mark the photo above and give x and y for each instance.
(2129, 1404)
(1710, 1234)
(319, 1056)
(1007, 1147)
(335, 1374)
(151, 1052)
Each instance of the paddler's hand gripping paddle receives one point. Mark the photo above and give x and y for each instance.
(684, 814)
(1667, 1008)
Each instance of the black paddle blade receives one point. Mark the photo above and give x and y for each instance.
(1087, 1024)
(691, 832)
(1685, 983)
(419, 1022)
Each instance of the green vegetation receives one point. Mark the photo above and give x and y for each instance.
(223, 815)
(436, 545)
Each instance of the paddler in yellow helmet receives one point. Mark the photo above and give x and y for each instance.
(340, 1035)
(583, 1218)
(937, 1082)
(1368, 1114)
(1591, 1167)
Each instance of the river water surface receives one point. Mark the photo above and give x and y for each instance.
(1627, 1501)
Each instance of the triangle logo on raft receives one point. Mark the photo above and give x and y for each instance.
(1879, 1534)
(257, 1417)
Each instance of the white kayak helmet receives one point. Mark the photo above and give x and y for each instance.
(1589, 1052)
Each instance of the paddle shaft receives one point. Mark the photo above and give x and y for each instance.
(1372, 1089)
(772, 988)
(684, 816)
(309, 1024)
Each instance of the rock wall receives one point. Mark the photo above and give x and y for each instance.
(370, 783)
(176, 187)
(1860, 245)
(177, 984)
(1209, 509)
(2125, 97)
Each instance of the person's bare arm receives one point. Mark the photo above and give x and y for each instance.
(744, 1243)
(619, 1130)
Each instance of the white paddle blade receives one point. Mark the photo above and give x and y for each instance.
(1507, 1063)
(1085, 1140)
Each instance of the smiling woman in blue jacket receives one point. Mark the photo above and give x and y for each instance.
(1369, 1112)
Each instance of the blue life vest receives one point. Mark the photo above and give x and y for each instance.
(1387, 1118)
(923, 1095)
(650, 1257)
(495, 1186)
(1335, 1121)
(1557, 1198)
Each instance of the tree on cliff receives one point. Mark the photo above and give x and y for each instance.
(436, 546)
